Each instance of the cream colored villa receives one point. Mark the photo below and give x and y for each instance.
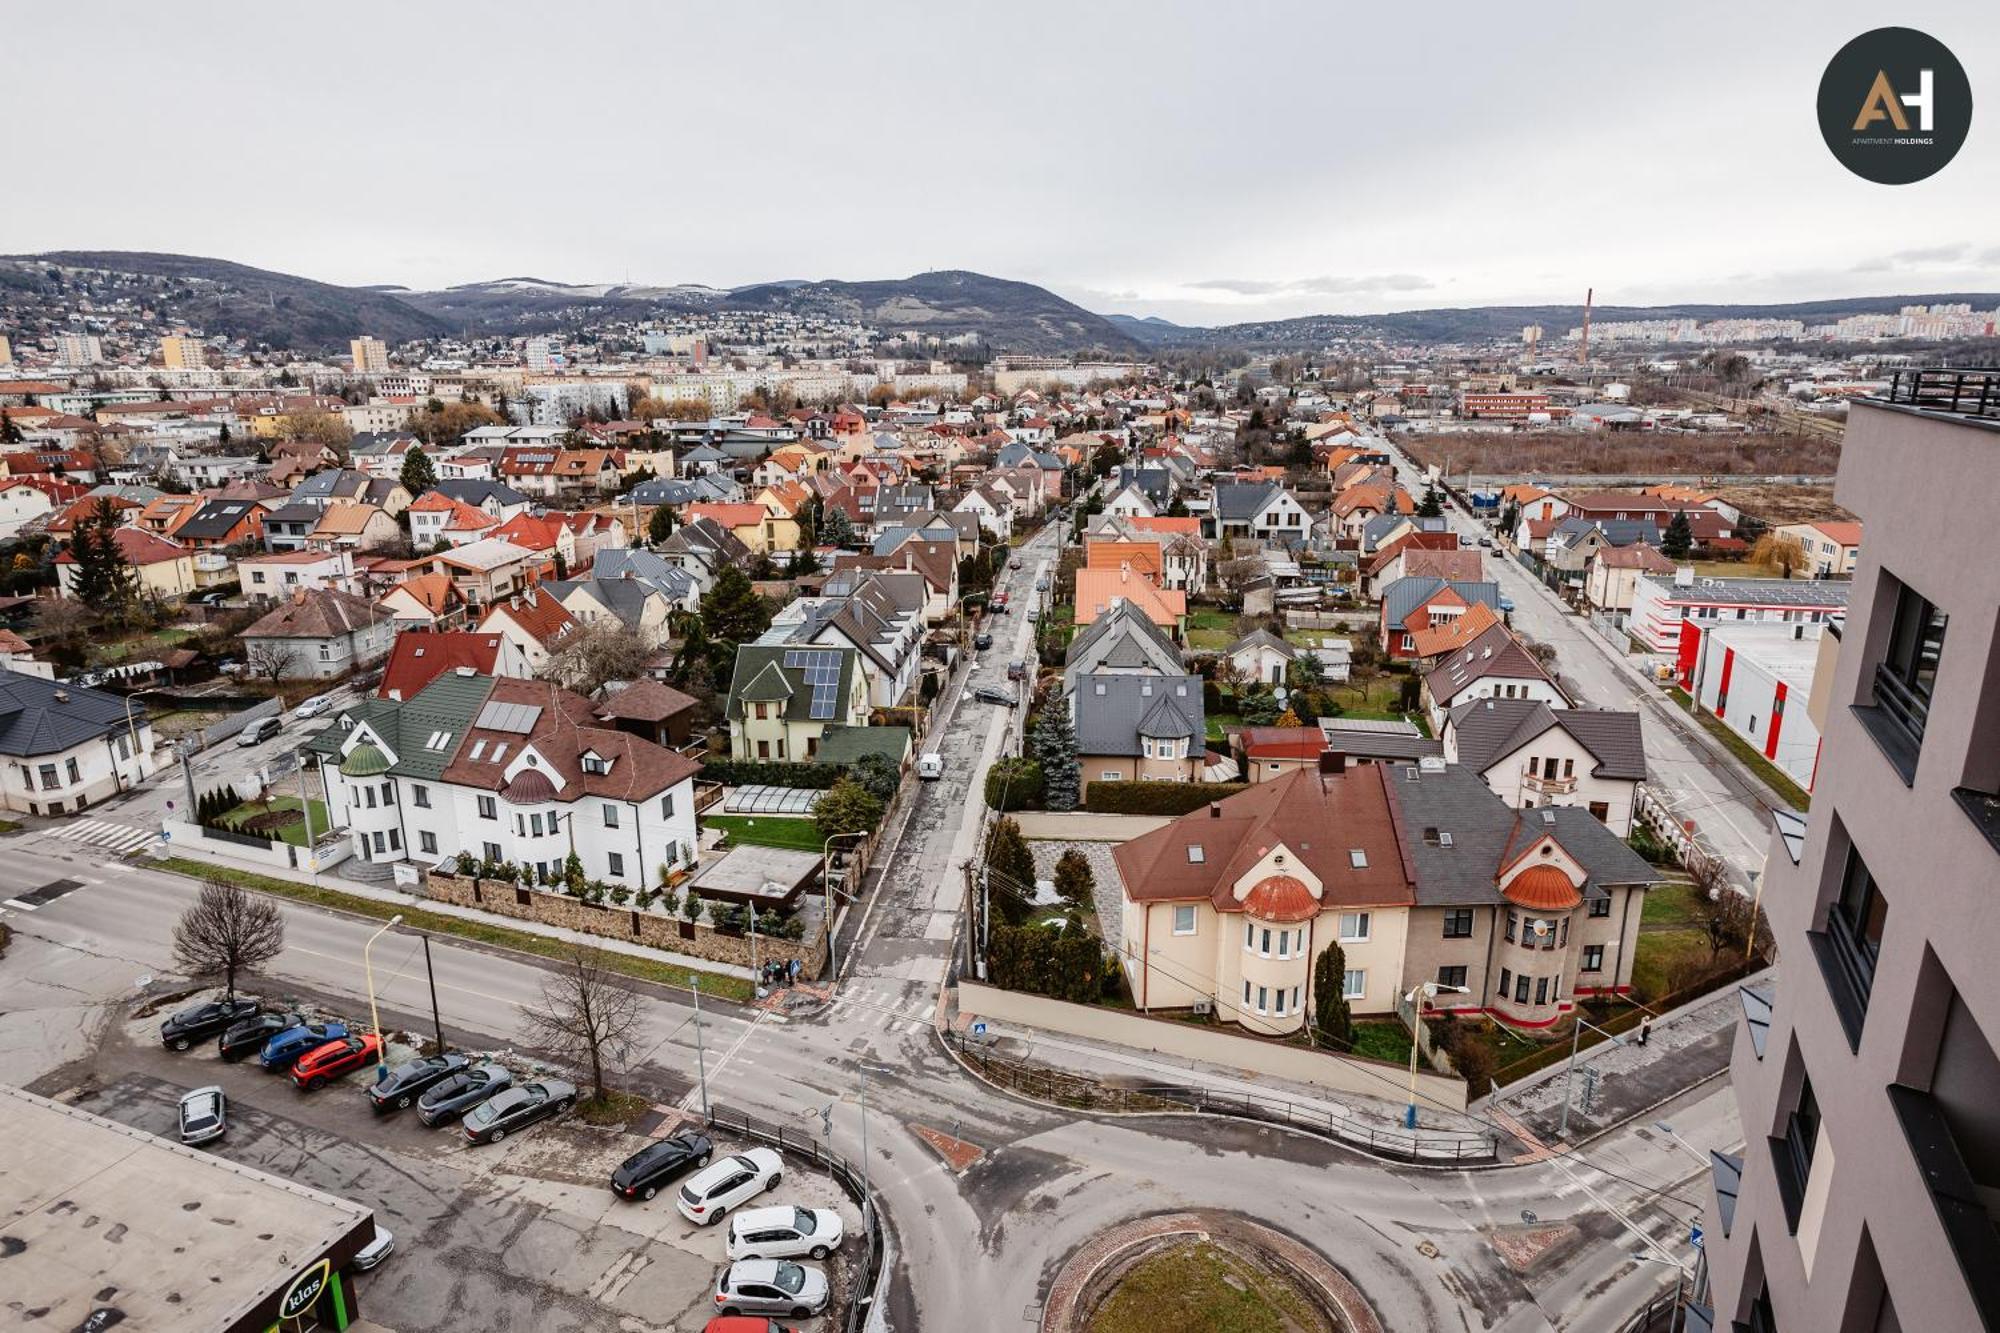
(1419, 872)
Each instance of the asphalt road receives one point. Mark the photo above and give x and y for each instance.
(972, 1249)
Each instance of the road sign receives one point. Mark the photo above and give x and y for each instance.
(1694, 1236)
(979, 1028)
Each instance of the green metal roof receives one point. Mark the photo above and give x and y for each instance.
(844, 745)
(424, 733)
(761, 674)
(364, 761)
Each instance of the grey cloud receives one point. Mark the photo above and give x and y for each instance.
(1925, 254)
(1241, 286)
(1387, 282)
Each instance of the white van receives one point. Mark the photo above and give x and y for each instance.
(930, 767)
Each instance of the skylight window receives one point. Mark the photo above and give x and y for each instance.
(499, 752)
(1196, 854)
(478, 748)
(1357, 858)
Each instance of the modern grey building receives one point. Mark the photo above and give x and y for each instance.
(1868, 1084)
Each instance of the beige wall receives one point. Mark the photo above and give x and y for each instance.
(1130, 768)
(1319, 1068)
(1508, 780)
(1048, 826)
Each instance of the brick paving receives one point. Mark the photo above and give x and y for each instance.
(957, 1153)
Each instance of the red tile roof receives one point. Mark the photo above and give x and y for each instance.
(418, 659)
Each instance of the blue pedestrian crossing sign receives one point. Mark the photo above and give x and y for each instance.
(979, 1028)
(1694, 1236)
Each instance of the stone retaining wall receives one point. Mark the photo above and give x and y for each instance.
(639, 926)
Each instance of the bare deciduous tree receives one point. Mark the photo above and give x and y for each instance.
(585, 1015)
(228, 930)
(593, 654)
(269, 660)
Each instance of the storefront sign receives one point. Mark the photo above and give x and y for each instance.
(305, 1289)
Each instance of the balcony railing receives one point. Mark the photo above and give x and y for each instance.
(1549, 786)
(1956, 1194)
(1908, 709)
(1963, 392)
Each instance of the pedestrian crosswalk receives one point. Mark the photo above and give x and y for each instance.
(119, 838)
(891, 1007)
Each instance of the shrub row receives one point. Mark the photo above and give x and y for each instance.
(1154, 798)
(753, 773)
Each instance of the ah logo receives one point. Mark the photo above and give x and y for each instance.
(1895, 106)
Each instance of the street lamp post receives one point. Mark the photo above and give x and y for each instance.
(1569, 1075)
(700, 1056)
(1430, 990)
(1680, 1278)
(826, 882)
(375, 1013)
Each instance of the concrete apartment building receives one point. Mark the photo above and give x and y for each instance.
(1868, 1083)
(371, 355)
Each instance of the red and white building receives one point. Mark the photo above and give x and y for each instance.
(1756, 680)
(1661, 605)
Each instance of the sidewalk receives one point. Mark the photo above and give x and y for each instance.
(1684, 1048)
(1122, 1065)
(390, 893)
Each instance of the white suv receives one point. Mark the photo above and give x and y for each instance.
(719, 1187)
(784, 1233)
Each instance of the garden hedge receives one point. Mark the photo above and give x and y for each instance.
(1155, 798)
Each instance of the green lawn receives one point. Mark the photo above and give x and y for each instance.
(1210, 630)
(1194, 1284)
(1217, 721)
(770, 831)
(1668, 934)
(1382, 1039)
(438, 923)
(1746, 753)
(293, 832)
(139, 647)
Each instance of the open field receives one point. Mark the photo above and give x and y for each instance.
(1777, 504)
(1563, 453)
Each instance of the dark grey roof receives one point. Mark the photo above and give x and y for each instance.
(1156, 483)
(1261, 638)
(1490, 729)
(1125, 623)
(1241, 500)
(294, 513)
(39, 716)
(1486, 832)
(1407, 594)
(1495, 652)
(626, 598)
(1362, 739)
(476, 490)
(646, 567)
(1112, 721)
(217, 518)
(1617, 531)
(332, 484)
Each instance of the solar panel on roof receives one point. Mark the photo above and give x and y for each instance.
(821, 667)
(519, 719)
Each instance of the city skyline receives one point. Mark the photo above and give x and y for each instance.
(1351, 195)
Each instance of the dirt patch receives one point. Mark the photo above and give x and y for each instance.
(269, 822)
(1785, 504)
(1616, 454)
(957, 1153)
(1525, 1247)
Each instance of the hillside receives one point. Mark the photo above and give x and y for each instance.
(1151, 328)
(1482, 323)
(216, 296)
(1008, 316)
(527, 305)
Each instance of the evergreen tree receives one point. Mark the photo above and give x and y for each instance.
(660, 526)
(1678, 539)
(1010, 870)
(839, 530)
(419, 474)
(731, 611)
(9, 432)
(1432, 505)
(1054, 745)
(805, 560)
(1074, 879)
(1330, 1010)
(847, 807)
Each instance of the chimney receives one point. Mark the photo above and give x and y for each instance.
(1215, 809)
(1332, 761)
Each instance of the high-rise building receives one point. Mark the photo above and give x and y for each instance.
(370, 355)
(79, 349)
(543, 355)
(179, 351)
(1867, 1194)
(6, 351)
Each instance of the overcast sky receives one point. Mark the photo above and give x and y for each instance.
(1207, 163)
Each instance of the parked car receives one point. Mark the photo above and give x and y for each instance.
(771, 1286)
(993, 694)
(1034, 614)
(259, 731)
(784, 1233)
(517, 1108)
(280, 1051)
(247, 1036)
(455, 1094)
(204, 1115)
(375, 1251)
(661, 1162)
(1042, 584)
(203, 1021)
(314, 706)
(744, 1323)
(1506, 604)
(982, 641)
(704, 1199)
(1486, 541)
(930, 767)
(1017, 670)
(398, 1089)
(329, 1061)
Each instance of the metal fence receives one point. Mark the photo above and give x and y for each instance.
(1971, 393)
(868, 1274)
(1084, 1093)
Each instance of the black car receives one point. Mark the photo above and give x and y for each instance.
(982, 641)
(993, 694)
(203, 1021)
(404, 1083)
(248, 1036)
(642, 1175)
(458, 1093)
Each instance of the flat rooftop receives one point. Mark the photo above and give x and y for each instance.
(1757, 592)
(770, 874)
(95, 1215)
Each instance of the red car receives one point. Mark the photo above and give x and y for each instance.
(737, 1323)
(323, 1064)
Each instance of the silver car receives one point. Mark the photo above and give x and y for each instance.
(204, 1115)
(770, 1286)
(375, 1251)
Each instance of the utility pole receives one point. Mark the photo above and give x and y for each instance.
(700, 1056)
(867, 1191)
(437, 1023)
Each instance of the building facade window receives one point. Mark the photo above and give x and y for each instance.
(1593, 958)
(420, 796)
(1451, 976)
(1601, 907)
(427, 842)
(610, 815)
(75, 775)
(1905, 677)
(1184, 919)
(1354, 984)
(616, 862)
(1506, 982)
(1458, 924)
(1353, 927)
(488, 809)
(1521, 989)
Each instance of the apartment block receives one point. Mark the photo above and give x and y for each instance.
(1867, 1079)
(371, 355)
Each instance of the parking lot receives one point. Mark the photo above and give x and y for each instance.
(521, 1234)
